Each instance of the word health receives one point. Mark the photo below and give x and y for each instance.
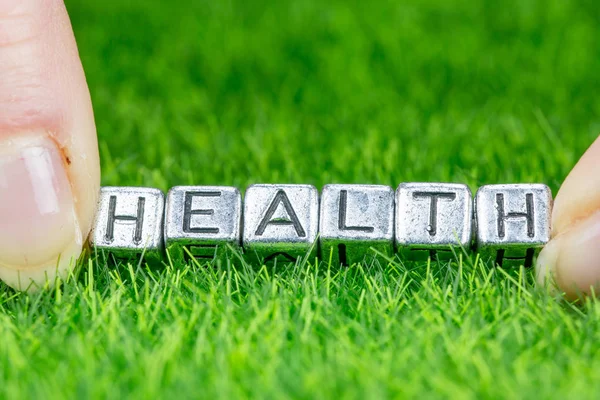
(346, 224)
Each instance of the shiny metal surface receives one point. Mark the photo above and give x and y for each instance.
(433, 220)
(129, 223)
(202, 222)
(356, 223)
(513, 222)
(280, 222)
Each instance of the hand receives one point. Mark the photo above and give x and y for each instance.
(49, 166)
(572, 258)
(50, 174)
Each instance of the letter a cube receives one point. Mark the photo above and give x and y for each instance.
(280, 222)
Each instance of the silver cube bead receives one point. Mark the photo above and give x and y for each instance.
(280, 222)
(513, 222)
(202, 222)
(433, 220)
(356, 223)
(129, 223)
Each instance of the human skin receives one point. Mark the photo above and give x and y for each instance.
(571, 260)
(50, 172)
(49, 165)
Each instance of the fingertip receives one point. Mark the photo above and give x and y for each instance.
(579, 195)
(571, 261)
(49, 162)
(546, 264)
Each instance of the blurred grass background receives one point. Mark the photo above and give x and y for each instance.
(236, 92)
(241, 92)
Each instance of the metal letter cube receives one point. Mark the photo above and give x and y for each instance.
(356, 222)
(513, 222)
(280, 222)
(202, 222)
(129, 223)
(433, 220)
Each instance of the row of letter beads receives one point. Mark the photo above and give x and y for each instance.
(508, 224)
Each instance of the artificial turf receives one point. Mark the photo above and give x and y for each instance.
(240, 92)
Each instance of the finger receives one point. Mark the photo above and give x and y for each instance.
(49, 168)
(572, 258)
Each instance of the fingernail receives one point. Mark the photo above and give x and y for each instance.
(572, 260)
(39, 232)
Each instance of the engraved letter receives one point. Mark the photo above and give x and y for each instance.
(188, 212)
(502, 217)
(112, 218)
(529, 215)
(282, 198)
(342, 216)
(434, 196)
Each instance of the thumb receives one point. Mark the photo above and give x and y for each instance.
(49, 168)
(572, 258)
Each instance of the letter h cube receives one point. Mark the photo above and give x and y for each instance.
(513, 222)
(129, 223)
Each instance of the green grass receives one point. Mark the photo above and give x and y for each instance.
(241, 92)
